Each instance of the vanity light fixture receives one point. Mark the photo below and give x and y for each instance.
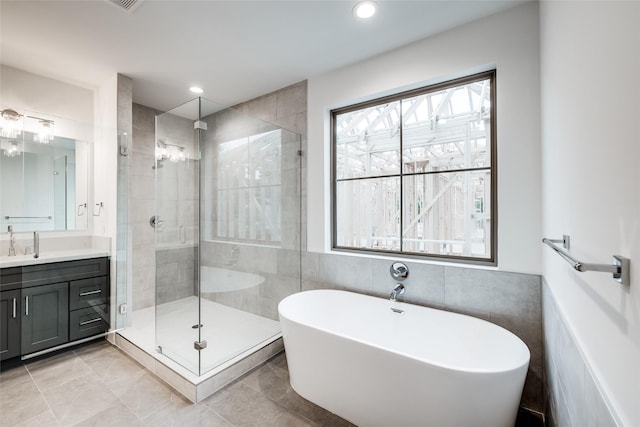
(196, 89)
(173, 153)
(13, 150)
(45, 131)
(10, 124)
(364, 9)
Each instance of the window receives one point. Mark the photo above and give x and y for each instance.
(249, 188)
(414, 173)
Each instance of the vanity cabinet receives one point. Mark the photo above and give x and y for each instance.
(47, 305)
(45, 317)
(10, 324)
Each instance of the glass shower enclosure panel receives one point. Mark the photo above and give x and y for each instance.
(250, 231)
(227, 229)
(177, 235)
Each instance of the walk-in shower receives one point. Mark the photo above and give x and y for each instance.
(227, 236)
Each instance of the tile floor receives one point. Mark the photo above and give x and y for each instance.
(96, 384)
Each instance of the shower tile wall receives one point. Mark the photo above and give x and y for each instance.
(123, 270)
(175, 258)
(142, 190)
(176, 204)
(279, 266)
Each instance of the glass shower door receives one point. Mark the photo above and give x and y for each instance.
(177, 235)
(250, 231)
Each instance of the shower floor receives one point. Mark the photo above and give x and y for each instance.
(229, 332)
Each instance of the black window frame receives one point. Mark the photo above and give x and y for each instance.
(488, 261)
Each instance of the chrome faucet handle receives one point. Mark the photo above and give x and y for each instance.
(399, 271)
(398, 290)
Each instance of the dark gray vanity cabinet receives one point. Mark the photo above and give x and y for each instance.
(10, 324)
(46, 305)
(45, 317)
(89, 314)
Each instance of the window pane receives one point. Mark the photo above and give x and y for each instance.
(448, 214)
(264, 159)
(447, 129)
(368, 141)
(368, 213)
(249, 195)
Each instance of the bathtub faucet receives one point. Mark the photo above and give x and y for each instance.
(396, 292)
(235, 255)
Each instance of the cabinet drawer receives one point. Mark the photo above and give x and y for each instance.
(88, 321)
(88, 292)
(42, 274)
(10, 278)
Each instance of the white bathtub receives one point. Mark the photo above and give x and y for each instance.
(351, 354)
(214, 279)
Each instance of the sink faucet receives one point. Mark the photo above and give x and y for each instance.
(396, 292)
(12, 241)
(36, 244)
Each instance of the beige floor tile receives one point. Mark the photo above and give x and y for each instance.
(109, 364)
(46, 419)
(180, 412)
(20, 402)
(273, 382)
(144, 395)
(116, 415)
(9, 377)
(245, 406)
(56, 370)
(79, 399)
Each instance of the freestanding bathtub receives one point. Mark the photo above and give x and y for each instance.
(356, 357)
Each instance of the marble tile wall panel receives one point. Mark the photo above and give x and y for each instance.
(142, 206)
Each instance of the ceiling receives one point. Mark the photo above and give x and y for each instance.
(235, 50)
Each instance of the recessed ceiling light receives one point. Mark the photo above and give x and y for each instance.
(196, 89)
(364, 9)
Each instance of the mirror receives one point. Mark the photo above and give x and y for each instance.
(43, 182)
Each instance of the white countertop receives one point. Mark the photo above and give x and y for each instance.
(52, 256)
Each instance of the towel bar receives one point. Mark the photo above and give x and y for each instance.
(619, 268)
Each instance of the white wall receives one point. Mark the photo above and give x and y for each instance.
(510, 42)
(590, 66)
(23, 91)
(105, 166)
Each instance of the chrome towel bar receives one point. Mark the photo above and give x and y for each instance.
(28, 217)
(619, 268)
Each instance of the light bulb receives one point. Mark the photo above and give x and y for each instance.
(364, 9)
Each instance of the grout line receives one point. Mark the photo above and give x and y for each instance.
(55, 417)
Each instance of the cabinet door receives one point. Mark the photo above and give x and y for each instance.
(45, 317)
(9, 324)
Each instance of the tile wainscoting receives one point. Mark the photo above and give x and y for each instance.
(573, 396)
(511, 300)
